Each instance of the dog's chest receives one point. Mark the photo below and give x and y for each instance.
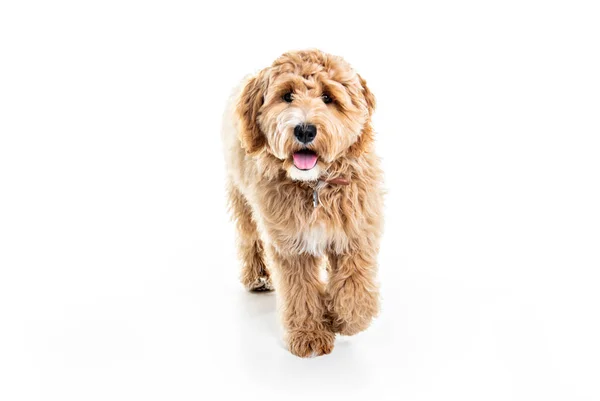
(319, 237)
(314, 240)
(300, 226)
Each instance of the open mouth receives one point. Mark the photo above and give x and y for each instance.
(305, 159)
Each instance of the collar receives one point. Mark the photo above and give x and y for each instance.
(321, 183)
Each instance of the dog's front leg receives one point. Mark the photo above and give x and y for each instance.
(301, 295)
(352, 293)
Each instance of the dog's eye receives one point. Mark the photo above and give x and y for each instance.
(326, 98)
(288, 97)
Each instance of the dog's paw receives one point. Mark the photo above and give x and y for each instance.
(351, 328)
(310, 343)
(352, 309)
(350, 325)
(261, 284)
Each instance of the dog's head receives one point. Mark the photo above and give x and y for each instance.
(306, 111)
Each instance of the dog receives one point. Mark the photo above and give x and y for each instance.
(305, 189)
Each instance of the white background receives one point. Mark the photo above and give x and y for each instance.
(118, 275)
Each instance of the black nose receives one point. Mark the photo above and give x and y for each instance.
(305, 132)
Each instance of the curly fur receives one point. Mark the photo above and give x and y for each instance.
(282, 236)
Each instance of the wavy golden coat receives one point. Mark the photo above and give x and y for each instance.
(284, 239)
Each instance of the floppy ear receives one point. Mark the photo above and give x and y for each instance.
(251, 100)
(369, 98)
(365, 140)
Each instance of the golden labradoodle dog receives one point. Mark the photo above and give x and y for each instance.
(305, 188)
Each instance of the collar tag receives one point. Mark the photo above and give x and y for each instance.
(315, 198)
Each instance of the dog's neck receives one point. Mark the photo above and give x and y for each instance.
(330, 181)
(335, 175)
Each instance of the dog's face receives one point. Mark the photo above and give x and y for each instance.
(307, 110)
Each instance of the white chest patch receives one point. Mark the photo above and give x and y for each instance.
(315, 240)
(319, 238)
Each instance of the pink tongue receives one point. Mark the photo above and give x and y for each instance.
(305, 161)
